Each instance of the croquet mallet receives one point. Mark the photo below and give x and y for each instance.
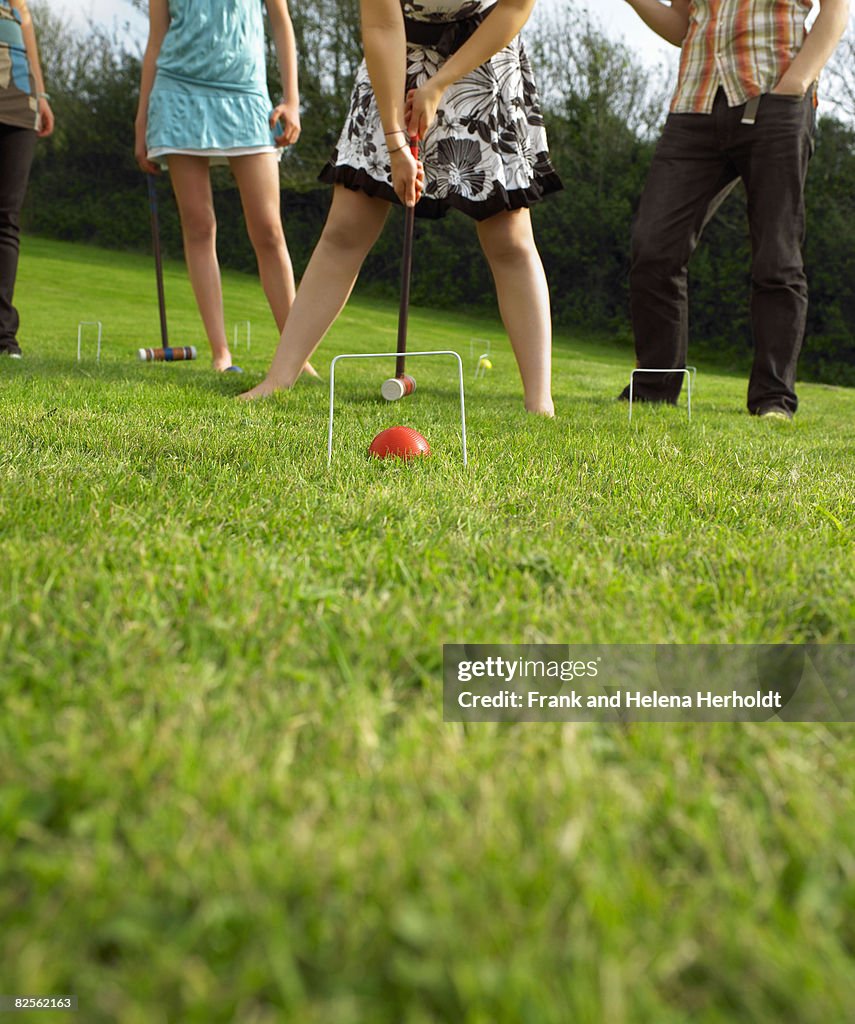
(166, 353)
(402, 384)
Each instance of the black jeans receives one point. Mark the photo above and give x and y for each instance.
(17, 146)
(698, 160)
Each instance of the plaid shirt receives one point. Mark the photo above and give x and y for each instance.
(744, 46)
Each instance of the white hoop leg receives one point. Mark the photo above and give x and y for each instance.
(392, 355)
(248, 325)
(689, 372)
(475, 343)
(80, 326)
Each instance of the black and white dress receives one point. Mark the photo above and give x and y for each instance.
(486, 151)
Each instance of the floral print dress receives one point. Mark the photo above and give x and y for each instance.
(486, 151)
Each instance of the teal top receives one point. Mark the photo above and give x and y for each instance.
(210, 90)
(18, 106)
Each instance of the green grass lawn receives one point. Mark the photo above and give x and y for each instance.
(226, 789)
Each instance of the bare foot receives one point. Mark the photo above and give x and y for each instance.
(222, 361)
(267, 387)
(548, 412)
(263, 390)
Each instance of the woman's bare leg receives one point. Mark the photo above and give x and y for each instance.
(257, 177)
(508, 243)
(191, 183)
(353, 226)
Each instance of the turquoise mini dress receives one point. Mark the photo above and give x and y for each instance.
(209, 96)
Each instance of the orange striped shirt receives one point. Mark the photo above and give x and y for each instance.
(744, 46)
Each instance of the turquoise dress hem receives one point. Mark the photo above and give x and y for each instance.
(182, 116)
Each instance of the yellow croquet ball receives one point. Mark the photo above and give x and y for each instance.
(486, 364)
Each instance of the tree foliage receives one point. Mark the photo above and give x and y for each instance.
(840, 75)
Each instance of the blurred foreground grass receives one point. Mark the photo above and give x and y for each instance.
(227, 790)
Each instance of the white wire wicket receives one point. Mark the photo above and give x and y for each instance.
(247, 325)
(80, 326)
(393, 355)
(690, 372)
(474, 345)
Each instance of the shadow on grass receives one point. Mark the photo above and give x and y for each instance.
(154, 375)
(203, 382)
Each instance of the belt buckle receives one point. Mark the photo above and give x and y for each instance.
(749, 115)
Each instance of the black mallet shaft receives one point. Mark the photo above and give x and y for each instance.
(402, 384)
(158, 262)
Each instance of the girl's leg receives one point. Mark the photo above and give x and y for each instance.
(257, 178)
(354, 223)
(508, 243)
(191, 183)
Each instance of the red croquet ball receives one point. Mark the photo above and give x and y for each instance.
(400, 443)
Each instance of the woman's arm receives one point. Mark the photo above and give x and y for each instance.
(386, 57)
(672, 23)
(288, 111)
(46, 119)
(492, 35)
(829, 26)
(158, 23)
